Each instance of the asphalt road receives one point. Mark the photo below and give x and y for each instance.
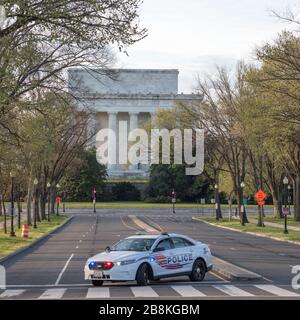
(53, 269)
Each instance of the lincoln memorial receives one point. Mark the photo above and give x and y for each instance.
(132, 95)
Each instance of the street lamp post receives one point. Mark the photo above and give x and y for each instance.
(57, 202)
(49, 198)
(217, 203)
(35, 182)
(242, 218)
(174, 200)
(94, 199)
(12, 209)
(285, 183)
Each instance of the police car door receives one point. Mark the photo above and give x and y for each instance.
(162, 254)
(183, 256)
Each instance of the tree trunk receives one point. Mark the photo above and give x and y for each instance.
(38, 214)
(19, 206)
(52, 197)
(43, 200)
(4, 214)
(297, 199)
(277, 209)
(29, 201)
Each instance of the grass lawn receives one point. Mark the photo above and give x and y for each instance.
(251, 227)
(8, 244)
(140, 205)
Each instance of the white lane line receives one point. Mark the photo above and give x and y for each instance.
(276, 290)
(53, 294)
(64, 269)
(188, 291)
(11, 293)
(233, 291)
(144, 292)
(96, 293)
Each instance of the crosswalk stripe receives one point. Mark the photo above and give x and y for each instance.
(11, 293)
(53, 294)
(144, 292)
(233, 291)
(94, 293)
(277, 290)
(188, 291)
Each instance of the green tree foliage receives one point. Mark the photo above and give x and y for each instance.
(125, 191)
(81, 179)
(165, 178)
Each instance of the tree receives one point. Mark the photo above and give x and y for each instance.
(81, 179)
(217, 114)
(41, 39)
(278, 79)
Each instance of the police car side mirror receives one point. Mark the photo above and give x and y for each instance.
(107, 249)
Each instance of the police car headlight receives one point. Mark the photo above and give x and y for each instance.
(125, 262)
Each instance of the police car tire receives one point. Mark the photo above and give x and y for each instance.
(97, 283)
(142, 275)
(195, 275)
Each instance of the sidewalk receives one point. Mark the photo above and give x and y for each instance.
(272, 224)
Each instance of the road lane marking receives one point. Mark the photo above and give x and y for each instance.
(53, 294)
(276, 290)
(217, 276)
(126, 225)
(156, 224)
(144, 292)
(188, 291)
(64, 269)
(96, 293)
(233, 291)
(143, 225)
(11, 293)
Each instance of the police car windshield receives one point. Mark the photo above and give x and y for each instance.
(134, 244)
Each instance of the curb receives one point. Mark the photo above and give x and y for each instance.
(36, 241)
(247, 232)
(232, 272)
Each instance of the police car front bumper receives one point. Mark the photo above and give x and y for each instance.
(117, 273)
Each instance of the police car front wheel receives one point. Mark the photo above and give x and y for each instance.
(143, 275)
(199, 270)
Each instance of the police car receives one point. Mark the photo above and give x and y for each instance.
(142, 258)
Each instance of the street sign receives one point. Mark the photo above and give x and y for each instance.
(203, 201)
(286, 211)
(213, 201)
(173, 200)
(260, 197)
(58, 200)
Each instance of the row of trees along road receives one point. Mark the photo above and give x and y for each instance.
(251, 119)
(42, 133)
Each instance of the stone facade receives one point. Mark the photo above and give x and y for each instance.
(125, 94)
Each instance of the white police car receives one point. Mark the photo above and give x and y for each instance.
(150, 257)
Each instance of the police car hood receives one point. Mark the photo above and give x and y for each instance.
(115, 256)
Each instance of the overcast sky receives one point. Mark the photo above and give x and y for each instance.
(196, 35)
